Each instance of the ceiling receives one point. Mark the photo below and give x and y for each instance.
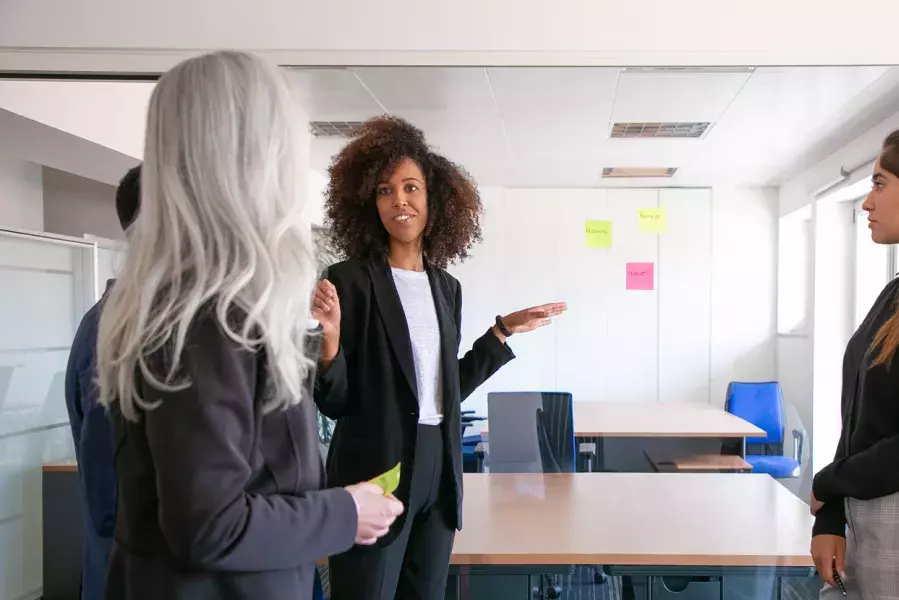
(550, 127)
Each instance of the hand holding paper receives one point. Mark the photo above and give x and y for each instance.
(375, 510)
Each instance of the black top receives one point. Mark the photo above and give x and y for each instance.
(217, 500)
(370, 388)
(866, 464)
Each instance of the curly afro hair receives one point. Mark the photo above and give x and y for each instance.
(373, 153)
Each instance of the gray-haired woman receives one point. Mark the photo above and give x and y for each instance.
(201, 355)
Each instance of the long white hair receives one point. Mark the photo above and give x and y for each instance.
(219, 225)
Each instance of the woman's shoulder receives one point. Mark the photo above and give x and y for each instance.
(346, 270)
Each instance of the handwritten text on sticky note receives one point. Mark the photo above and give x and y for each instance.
(598, 234)
(640, 276)
(652, 220)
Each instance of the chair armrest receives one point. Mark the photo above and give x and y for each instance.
(798, 442)
(467, 412)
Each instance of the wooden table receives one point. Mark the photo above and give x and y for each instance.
(656, 419)
(633, 523)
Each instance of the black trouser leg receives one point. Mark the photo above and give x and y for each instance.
(415, 565)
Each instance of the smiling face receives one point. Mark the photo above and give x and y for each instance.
(882, 205)
(403, 203)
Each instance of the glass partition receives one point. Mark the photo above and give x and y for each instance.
(46, 285)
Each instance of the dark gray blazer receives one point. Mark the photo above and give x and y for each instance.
(215, 500)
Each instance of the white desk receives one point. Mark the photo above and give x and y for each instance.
(656, 419)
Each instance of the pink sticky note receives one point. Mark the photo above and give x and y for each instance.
(640, 276)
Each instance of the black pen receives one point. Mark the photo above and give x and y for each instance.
(839, 582)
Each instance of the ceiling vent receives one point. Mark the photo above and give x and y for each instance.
(688, 70)
(334, 129)
(637, 172)
(659, 130)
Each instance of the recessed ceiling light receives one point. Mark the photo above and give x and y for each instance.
(637, 172)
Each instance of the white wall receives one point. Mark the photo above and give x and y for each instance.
(109, 113)
(744, 286)
(76, 206)
(21, 194)
(765, 32)
(710, 319)
(52, 284)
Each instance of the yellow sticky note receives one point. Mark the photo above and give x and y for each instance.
(598, 234)
(388, 481)
(652, 220)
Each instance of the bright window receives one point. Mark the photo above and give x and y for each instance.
(794, 271)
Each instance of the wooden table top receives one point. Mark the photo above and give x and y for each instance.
(656, 419)
(654, 519)
(67, 464)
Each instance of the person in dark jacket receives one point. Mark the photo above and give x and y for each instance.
(91, 429)
(860, 488)
(389, 370)
(201, 355)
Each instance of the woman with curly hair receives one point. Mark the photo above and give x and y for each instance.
(389, 369)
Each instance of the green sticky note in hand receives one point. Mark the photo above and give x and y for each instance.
(388, 481)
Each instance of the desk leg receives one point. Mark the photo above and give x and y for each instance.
(600, 455)
(743, 448)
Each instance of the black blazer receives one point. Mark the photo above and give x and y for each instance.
(370, 389)
(217, 500)
(866, 464)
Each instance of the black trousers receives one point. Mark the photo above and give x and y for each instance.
(415, 565)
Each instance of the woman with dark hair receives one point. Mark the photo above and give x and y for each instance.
(860, 488)
(389, 368)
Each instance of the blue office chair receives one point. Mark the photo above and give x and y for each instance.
(762, 405)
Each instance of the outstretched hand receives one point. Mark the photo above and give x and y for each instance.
(533, 318)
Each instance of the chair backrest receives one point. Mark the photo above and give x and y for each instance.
(531, 432)
(760, 403)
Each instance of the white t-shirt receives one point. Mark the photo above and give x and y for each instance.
(424, 332)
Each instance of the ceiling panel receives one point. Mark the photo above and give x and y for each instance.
(778, 112)
(426, 89)
(554, 110)
(332, 95)
(674, 97)
(549, 127)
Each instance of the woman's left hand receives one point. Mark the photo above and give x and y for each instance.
(814, 504)
(532, 318)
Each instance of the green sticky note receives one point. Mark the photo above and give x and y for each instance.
(598, 234)
(388, 481)
(652, 220)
